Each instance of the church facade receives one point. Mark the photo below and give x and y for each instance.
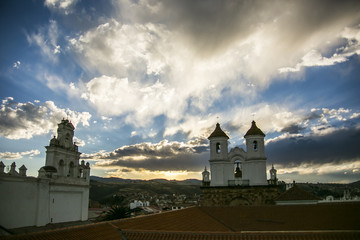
(238, 177)
(60, 193)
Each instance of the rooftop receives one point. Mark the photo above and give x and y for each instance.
(254, 130)
(218, 132)
(296, 194)
(320, 221)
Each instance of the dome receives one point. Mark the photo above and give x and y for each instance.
(218, 132)
(254, 130)
(49, 169)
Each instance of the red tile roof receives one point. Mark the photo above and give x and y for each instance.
(254, 130)
(296, 193)
(218, 132)
(320, 221)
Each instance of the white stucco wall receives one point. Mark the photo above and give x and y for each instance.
(23, 201)
(255, 172)
(29, 201)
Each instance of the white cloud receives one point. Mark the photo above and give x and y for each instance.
(314, 58)
(19, 155)
(46, 39)
(112, 96)
(153, 65)
(64, 6)
(237, 120)
(79, 142)
(17, 64)
(25, 120)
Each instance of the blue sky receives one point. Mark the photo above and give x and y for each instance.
(144, 83)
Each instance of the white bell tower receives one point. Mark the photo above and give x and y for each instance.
(62, 155)
(255, 167)
(221, 168)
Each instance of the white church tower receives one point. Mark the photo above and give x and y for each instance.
(237, 167)
(220, 167)
(63, 156)
(255, 167)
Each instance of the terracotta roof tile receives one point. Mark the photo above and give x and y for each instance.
(296, 193)
(254, 130)
(244, 222)
(218, 132)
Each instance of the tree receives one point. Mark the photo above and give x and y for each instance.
(117, 212)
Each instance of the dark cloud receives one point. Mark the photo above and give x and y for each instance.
(335, 176)
(314, 115)
(293, 128)
(24, 120)
(162, 156)
(209, 26)
(180, 162)
(339, 146)
(16, 117)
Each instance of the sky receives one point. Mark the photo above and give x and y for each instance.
(145, 82)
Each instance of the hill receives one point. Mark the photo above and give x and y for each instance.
(103, 190)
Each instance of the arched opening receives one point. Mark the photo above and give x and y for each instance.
(61, 167)
(71, 169)
(238, 171)
(255, 145)
(218, 148)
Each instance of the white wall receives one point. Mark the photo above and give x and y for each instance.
(255, 172)
(23, 203)
(29, 201)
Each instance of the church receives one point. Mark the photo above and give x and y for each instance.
(238, 177)
(60, 193)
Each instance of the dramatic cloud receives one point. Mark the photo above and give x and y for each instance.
(25, 120)
(327, 172)
(114, 96)
(340, 145)
(18, 155)
(162, 156)
(169, 57)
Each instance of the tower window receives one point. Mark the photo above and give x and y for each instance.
(218, 148)
(255, 145)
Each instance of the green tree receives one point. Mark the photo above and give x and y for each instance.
(117, 212)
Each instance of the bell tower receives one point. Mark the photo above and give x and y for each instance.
(221, 168)
(218, 144)
(62, 156)
(65, 133)
(255, 167)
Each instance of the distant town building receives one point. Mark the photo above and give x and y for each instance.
(238, 177)
(138, 203)
(60, 193)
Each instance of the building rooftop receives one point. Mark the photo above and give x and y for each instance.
(218, 132)
(296, 194)
(320, 221)
(254, 130)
